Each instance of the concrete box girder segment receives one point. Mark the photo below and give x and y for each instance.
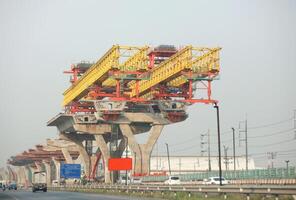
(150, 118)
(142, 151)
(68, 123)
(41, 158)
(72, 123)
(37, 157)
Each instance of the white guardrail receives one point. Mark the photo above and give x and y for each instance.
(226, 189)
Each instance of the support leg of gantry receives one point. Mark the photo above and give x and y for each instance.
(142, 151)
(106, 155)
(48, 172)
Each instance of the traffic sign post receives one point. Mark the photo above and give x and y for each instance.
(70, 170)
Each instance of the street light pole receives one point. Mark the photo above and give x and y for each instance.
(126, 146)
(233, 140)
(219, 143)
(167, 146)
(287, 164)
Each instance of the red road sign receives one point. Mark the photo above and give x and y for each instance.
(119, 164)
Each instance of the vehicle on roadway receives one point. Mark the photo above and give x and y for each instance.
(122, 180)
(39, 182)
(12, 186)
(173, 180)
(55, 183)
(215, 181)
(136, 180)
(130, 180)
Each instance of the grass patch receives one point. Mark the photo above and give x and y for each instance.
(172, 195)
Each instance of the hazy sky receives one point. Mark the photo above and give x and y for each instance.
(40, 39)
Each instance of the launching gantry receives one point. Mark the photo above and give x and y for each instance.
(131, 90)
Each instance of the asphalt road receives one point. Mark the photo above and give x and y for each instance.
(28, 195)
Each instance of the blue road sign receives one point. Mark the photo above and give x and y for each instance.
(70, 170)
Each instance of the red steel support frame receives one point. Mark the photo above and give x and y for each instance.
(164, 93)
(95, 167)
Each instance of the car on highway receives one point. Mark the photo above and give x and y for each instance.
(215, 181)
(12, 186)
(136, 180)
(55, 183)
(173, 180)
(122, 180)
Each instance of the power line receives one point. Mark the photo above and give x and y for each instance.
(272, 144)
(262, 126)
(271, 124)
(284, 151)
(225, 132)
(267, 135)
(184, 141)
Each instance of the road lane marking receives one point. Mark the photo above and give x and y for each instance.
(11, 196)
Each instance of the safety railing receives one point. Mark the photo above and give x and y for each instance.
(275, 173)
(190, 189)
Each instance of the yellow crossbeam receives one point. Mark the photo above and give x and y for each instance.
(165, 70)
(203, 64)
(95, 73)
(139, 61)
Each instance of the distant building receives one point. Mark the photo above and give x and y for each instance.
(190, 164)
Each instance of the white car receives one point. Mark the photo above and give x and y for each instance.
(215, 181)
(136, 180)
(173, 180)
(122, 180)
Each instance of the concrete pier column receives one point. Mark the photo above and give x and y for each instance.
(57, 165)
(78, 160)
(48, 172)
(67, 155)
(39, 166)
(102, 144)
(85, 157)
(32, 170)
(142, 152)
(19, 177)
(25, 176)
(27, 173)
(81, 149)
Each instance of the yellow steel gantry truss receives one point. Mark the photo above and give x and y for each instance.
(200, 61)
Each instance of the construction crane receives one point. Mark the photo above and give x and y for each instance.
(139, 74)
